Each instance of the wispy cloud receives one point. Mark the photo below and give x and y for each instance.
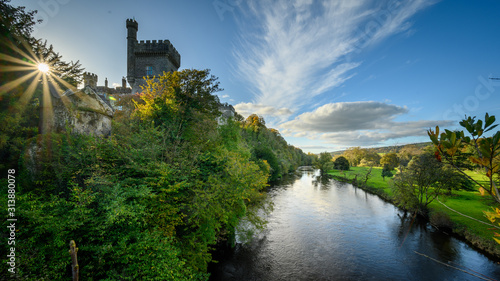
(292, 51)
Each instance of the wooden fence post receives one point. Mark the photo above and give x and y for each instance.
(74, 262)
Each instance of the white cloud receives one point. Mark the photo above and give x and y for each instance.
(345, 116)
(357, 124)
(246, 109)
(292, 51)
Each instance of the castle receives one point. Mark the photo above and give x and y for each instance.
(144, 60)
(90, 110)
(147, 59)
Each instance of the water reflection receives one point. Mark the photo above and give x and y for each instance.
(325, 230)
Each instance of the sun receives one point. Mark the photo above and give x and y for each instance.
(43, 67)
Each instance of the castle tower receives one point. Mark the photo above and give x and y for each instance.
(132, 28)
(148, 59)
(89, 79)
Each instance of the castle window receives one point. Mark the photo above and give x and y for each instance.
(149, 71)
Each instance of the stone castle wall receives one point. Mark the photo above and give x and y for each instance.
(160, 56)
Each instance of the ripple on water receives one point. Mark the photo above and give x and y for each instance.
(334, 231)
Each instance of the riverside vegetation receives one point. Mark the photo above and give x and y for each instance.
(451, 181)
(150, 201)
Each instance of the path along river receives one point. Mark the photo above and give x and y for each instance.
(327, 230)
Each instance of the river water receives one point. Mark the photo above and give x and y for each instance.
(327, 230)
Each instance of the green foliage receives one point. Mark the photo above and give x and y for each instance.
(264, 153)
(324, 162)
(487, 149)
(354, 155)
(386, 171)
(390, 160)
(406, 153)
(21, 94)
(148, 202)
(341, 163)
(370, 158)
(270, 150)
(448, 145)
(418, 185)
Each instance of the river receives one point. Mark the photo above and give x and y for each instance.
(328, 230)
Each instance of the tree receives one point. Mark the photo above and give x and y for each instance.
(449, 144)
(255, 123)
(324, 162)
(390, 160)
(354, 155)
(386, 171)
(370, 158)
(406, 153)
(182, 103)
(341, 163)
(264, 153)
(21, 88)
(418, 185)
(16, 23)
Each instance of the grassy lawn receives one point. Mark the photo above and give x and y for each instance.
(375, 179)
(469, 203)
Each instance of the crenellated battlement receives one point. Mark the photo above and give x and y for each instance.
(132, 23)
(90, 79)
(158, 47)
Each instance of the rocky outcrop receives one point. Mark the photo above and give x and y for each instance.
(84, 112)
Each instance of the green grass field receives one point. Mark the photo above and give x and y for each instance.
(469, 203)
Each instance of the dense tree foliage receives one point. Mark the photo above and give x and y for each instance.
(270, 150)
(386, 171)
(390, 160)
(341, 163)
(152, 200)
(418, 185)
(324, 162)
(20, 90)
(354, 155)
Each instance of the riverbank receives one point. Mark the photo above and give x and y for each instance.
(461, 212)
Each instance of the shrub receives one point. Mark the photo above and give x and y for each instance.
(341, 163)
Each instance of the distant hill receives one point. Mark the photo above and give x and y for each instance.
(387, 149)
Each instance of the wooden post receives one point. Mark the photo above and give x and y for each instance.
(74, 262)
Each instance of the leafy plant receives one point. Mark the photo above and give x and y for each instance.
(487, 150)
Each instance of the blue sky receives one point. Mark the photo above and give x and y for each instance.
(327, 74)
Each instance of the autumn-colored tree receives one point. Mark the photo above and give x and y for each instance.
(406, 153)
(354, 155)
(390, 159)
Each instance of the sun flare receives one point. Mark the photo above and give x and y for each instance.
(43, 67)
